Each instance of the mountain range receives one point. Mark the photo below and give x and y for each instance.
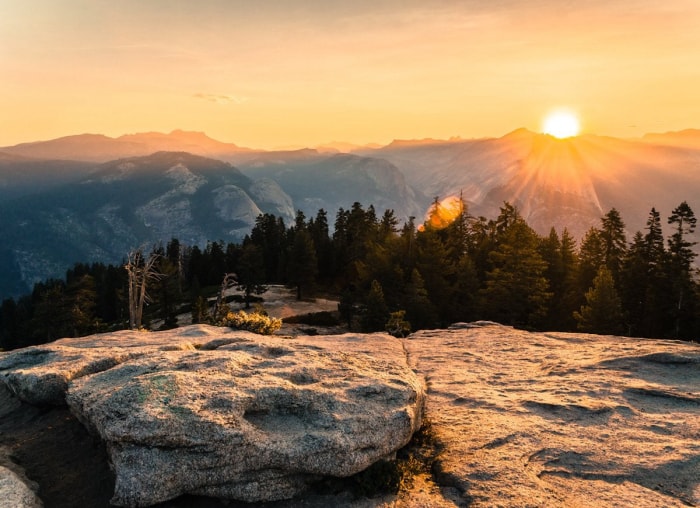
(93, 198)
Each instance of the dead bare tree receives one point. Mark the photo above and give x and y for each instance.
(220, 308)
(141, 272)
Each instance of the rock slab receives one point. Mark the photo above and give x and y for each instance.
(561, 419)
(228, 414)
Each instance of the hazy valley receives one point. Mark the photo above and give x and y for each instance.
(92, 198)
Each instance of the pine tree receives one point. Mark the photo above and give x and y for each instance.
(635, 285)
(419, 309)
(318, 229)
(654, 240)
(570, 265)
(388, 224)
(679, 246)
(251, 272)
(681, 256)
(464, 303)
(550, 250)
(516, 291)
(80, 300)
(602, 312)
(269, 234)
(591, 258)
(376, 312)
(437, 270)
(303, 266)
(614, 243)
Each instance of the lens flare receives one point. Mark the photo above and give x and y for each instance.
(442, 213)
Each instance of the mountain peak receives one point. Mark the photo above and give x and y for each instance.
(687, 138)
(521, 134)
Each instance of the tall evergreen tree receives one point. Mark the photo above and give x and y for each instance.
(654, 240)
(681, 256)
(251, 272)
(556, 275)
(591, 258)
(635, 285)
(303, 266)
(464, 304)
(516, 291)
(570, 265)
(376, 312)
(420, 311)
(388, 224)
(269, 234)
(680, 246)
(437, 270)
(319, 231)
(614, 243)
(602, 312)
(81, 296)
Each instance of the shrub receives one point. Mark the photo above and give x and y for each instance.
(323, 318)
(255, 322)
(397, 324)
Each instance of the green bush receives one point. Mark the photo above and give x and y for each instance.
(255, 322)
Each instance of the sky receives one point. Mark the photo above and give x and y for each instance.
(286, 73)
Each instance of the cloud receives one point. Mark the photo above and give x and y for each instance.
(221, 99)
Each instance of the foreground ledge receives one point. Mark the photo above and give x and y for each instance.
(208, 411)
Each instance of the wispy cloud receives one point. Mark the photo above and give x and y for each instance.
(221, 99)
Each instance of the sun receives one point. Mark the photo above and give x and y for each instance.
(561, 124)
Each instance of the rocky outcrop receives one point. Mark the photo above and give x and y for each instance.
(227, 414)
(514, 418)
(561, 419)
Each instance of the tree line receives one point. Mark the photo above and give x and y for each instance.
(399, 277)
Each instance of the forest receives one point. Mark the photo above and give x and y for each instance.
(397, 277)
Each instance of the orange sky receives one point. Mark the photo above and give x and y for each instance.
(298, 73)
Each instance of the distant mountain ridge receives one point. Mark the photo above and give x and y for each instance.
(688, 138)
(556, 182)
(58, 212)
(92, 198)
(100, 148)
(317, 180)
(124, 204)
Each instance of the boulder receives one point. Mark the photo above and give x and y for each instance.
(228, 414)
(40, 375)
(15, 492)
